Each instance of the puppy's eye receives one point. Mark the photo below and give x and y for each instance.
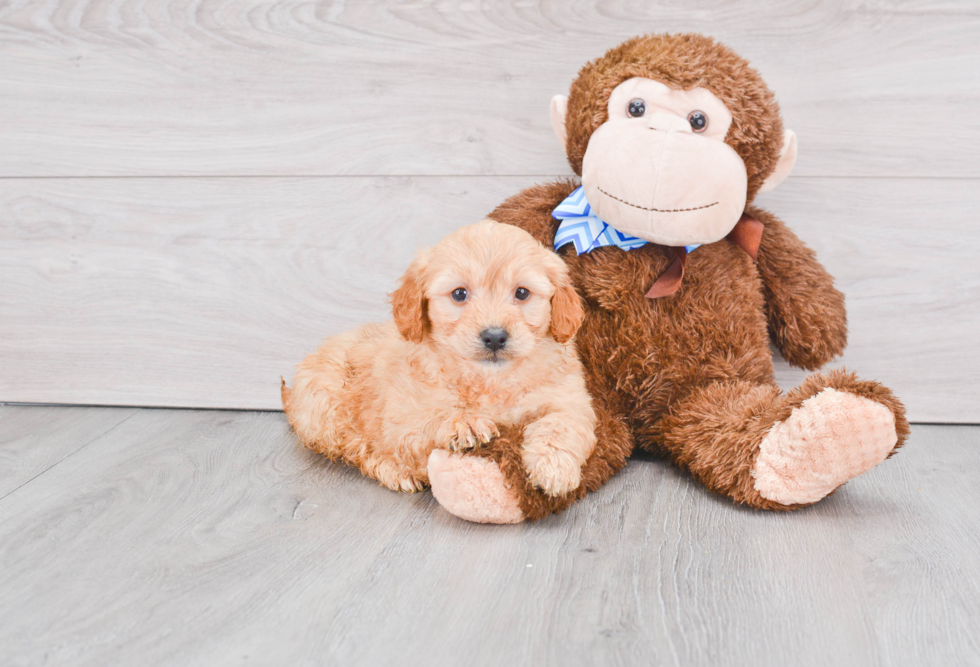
(459, 295)
(636, 108)
(522, 294)
(698, 121)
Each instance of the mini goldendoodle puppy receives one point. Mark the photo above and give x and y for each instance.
(481, 338)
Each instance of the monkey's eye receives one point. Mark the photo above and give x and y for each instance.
(698, 121)
(636, 108)
(522, 294)
(459, 295)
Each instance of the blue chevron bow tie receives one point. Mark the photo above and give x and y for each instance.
(582, 228)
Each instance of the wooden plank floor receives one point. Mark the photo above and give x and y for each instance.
(193, 194)
(168, 537)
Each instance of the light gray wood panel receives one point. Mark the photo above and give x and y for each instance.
(204, 538)
(246, 87)
(202, 292)
(32, 439)
(190, 523)
(905, 255)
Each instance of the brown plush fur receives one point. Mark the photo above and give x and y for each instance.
(690, 375)
(715, 432)
(606, 460)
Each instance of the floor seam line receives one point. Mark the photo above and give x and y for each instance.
(65, 458)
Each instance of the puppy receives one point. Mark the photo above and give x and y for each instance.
(482, 337)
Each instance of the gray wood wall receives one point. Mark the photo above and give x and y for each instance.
(193, 194)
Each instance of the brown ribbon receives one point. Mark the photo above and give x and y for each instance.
(746, 234)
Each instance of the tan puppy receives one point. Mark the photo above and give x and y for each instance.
(482, 338)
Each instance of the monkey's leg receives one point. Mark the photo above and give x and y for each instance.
(489, 484)
(775, 451)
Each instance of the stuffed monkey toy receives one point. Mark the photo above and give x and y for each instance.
(684, 284)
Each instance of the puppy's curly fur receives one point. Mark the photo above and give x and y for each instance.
(384, 396)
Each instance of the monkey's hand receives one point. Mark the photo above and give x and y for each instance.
(806, 313)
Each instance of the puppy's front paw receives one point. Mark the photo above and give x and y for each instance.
(469, 431)
(395, 477)
(554, 471)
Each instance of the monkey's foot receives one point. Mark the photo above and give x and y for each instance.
(830, 438)
(472, 488)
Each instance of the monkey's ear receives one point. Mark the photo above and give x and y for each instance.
(408, 303)
(787, 158)
(559, 104)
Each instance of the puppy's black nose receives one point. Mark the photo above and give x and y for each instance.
(494, 338)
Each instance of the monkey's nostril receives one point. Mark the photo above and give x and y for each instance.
(494, 338)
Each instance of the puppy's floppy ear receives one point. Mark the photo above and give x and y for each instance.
(566, 306)
(408, 302)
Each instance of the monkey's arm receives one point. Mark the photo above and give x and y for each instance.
(806, 313)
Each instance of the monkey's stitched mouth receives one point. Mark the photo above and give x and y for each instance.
(657, 210)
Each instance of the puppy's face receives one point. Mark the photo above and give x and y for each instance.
(488, 293)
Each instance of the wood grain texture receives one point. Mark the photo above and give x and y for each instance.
(202, 292)
(203, 538)
(34, 438)
(249, 87)
(904, 253)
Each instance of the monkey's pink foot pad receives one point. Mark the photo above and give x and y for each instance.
(830, 438)
(472, 488)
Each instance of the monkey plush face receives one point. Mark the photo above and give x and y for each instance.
(686, 134)
(659, 168)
